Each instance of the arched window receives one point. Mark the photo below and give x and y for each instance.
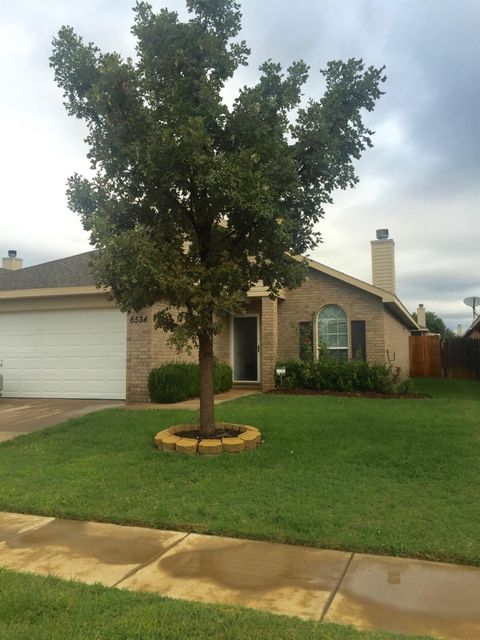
(332, 332)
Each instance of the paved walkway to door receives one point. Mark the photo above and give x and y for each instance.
(19, 416)
(369, 592)
(194, 403)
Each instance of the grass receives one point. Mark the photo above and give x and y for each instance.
(441, 388)
(52, 609)
(397, 477)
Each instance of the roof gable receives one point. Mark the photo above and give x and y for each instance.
(390, 300)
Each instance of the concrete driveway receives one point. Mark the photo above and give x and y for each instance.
(19, 416)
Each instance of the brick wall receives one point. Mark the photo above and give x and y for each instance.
(303, 304)
(221, 342)
(139, 355)
(148, 347)
(163, 351)
(268, 342)
(396, 344)
(279, 339)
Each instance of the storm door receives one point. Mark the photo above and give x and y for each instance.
(246, 349)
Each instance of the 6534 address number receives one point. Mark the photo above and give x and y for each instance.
(138, 319)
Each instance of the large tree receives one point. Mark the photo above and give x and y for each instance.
(435, 324)
(193, 201)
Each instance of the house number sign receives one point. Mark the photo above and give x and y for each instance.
(138, 319)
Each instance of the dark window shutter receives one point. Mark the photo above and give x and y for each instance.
(305, 333)
(359, 345)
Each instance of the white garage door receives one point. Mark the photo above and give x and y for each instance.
(63, 354)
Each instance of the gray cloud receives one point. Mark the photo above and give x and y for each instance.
(420, 180)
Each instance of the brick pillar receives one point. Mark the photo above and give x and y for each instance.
(139, 354)
(269, 342)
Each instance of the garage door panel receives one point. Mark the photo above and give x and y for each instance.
(64, 354)
(52, 364)
(95, 362)
(116, 376)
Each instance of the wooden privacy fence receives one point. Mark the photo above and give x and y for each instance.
(425, 356)
(452, 358)
(461, 358)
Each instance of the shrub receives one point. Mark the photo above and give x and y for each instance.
(173, 382)
(222, 377)
(177, 381)
(328, 374)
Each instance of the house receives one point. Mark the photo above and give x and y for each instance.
(61, 337)
(474, 329)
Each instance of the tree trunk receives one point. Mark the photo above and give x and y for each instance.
(207, 418)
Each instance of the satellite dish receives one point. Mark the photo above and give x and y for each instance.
(474, 302)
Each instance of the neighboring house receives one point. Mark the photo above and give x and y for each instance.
(474, 330)
(61, 337)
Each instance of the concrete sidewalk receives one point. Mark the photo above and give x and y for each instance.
(368, 592)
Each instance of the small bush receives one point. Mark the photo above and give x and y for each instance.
(222, 377)
(173, 382)
(177, 381)
(328, 374)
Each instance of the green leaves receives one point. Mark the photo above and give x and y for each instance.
(330, 133)
(75, 66)
(223, 17)
(192, 202)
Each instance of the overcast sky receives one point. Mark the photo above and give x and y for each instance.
(421, 179)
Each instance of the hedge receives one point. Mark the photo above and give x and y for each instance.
(177, 381)
(328, 374)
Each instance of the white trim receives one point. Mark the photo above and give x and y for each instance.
(232, 347)
(48, 292)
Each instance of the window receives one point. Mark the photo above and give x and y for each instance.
(332, 332)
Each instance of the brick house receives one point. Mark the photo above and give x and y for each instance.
(473, 331)
(60, 336)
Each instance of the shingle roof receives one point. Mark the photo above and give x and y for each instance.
(75, 271)
(66, 272)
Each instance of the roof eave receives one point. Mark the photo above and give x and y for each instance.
(399, 311)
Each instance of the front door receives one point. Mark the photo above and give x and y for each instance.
(245, 349)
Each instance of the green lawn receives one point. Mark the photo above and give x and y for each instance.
(396, 477)
(32, 607)
(448, 389)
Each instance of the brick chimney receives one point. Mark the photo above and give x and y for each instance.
(421, 317)
(12, 263)
(383, 261)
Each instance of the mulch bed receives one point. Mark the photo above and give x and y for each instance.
(220, 433)
(350, 394)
